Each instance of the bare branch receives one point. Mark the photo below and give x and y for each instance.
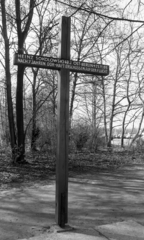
(91, 11)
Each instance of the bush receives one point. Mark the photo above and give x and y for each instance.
(79, 135)
(139, 145)
(47, 141)
(82, 136)
(96, 140)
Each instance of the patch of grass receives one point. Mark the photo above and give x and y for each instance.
(42, 167)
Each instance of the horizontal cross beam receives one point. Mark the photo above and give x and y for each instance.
(58, 64)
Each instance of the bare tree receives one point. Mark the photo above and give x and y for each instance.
(45, 35)
(23, 22)
(8, 81)
(140, 78)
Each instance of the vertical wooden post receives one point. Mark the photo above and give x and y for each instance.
(63, 127)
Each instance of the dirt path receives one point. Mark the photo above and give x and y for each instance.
(96, 199)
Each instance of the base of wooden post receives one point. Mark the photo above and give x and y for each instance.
(58, 229)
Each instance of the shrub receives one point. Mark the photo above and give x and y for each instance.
(79, 135)
(96, 140)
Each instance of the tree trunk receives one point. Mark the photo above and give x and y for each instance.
(8, 82)
(113, 104)
(73, 96)
(22, 32)
(19, 114)
(94, 105)
(105, 113)
(139, 128)
(123, 125)
(34, 128)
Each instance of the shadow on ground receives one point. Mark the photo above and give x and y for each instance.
(108, 197)
(97, 199)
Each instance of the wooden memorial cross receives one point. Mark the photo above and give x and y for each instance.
(64, 65)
